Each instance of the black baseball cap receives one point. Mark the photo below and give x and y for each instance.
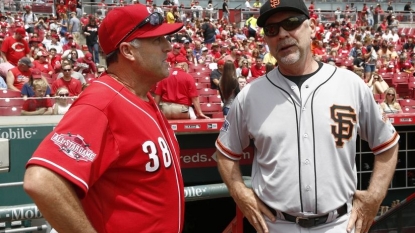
(273, 6)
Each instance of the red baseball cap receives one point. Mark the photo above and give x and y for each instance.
(36, 73)
(176, 46)
(221, 62)
(20, 31)
(88, 56)
(84, 47)
(181, 59)
(122, 22)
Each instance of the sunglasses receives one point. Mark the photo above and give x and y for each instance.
(245, 63)
(154, 19)
(66, 70)
(64, 95)
(288, 24)
(390, 94)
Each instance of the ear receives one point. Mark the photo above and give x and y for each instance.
(126, 50)
(313, 27)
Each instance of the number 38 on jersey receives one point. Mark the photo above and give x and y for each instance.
(150, 148)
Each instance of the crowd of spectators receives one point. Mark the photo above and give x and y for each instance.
(43, 54)
(65, 48)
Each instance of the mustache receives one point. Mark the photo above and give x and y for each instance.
(286, 42)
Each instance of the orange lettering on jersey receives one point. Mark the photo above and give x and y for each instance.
(274, 3)
(345, 118)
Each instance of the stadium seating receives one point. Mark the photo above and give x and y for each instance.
(208, 108)
(207, 92)
(215, 99)
(407, 103)
(408, 110)
(203, 99)
(11, 102)
(9, 94)
(10, 111)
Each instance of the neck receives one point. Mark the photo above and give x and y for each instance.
(132, 82)
(302, 67)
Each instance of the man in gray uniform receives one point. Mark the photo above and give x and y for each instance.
(303, 119)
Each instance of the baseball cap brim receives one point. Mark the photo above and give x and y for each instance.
(267, 10)
(161, 30)
(262, 19)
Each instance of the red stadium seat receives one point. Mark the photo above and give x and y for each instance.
(9, 94)
(210, 108)
(203, 99)
(200, 74)
(205, 79)
(408, 110)
(407, 103)
(215, 99)
(10, 111)
(207, 92)
(217, 115)
(11, 102)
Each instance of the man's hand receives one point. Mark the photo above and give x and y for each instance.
(365, 208)
(202, 116)
(253, 209)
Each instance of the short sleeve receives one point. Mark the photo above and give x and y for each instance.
(79, 149)
(234, 136)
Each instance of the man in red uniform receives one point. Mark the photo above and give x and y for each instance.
(72, 84)
(15, 47)
(113, 162)
(257, 69)
(19, 75)
(177, 95)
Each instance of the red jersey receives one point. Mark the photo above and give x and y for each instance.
(216, 55)
(61, 9)
(74, 86)
(84, 20)
(100, 152)
(20, 78)
(257, 71)
(178, 88)
(14, 49)
(56, 61)
(92, 68)
(32, 105)
(43, 67)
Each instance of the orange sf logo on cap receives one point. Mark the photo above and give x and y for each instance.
(274, 3)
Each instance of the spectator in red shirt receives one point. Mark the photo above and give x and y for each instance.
(42, 63)
(86, 65)
(177, 94)
(19, 75)
(73, 85)
(61, 8)
(15, 47)
(84, 19)
(38, 105)
(175, 55)
(257, 69)
(54, 60)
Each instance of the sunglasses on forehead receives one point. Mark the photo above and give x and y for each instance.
(288, 24)
(153, 19)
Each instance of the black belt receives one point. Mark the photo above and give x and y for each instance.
(308, 222)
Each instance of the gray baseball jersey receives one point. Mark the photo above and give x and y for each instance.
(305, 140)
